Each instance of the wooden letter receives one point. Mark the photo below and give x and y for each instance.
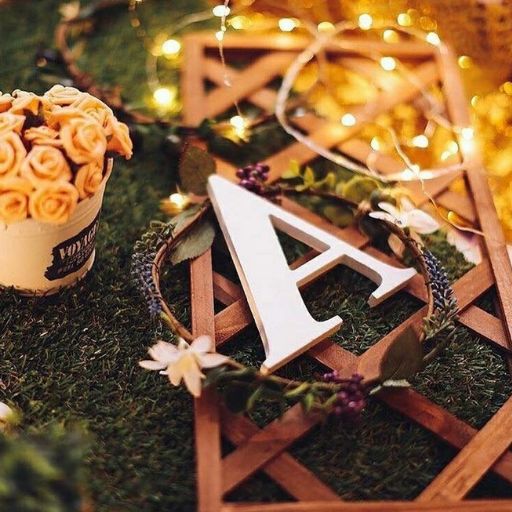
(272, 289)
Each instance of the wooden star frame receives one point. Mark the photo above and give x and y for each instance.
(480, 451)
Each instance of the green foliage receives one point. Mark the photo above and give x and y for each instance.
(194, 243)
(42, 472)
(196, 165)
(403, 359)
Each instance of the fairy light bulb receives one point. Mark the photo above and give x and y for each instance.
(404, 19)
(467, 133)
(507, 88)
(171, 47)
(365, 21)
(287, 24)
(348, 120)
(464, 62)
(420, 141)
(219, 35)
(239, 125)
(467, 139)
(178, 200)
(375, 144)
(390, 36)
(388, 63)
(164, 97)
(433, 39)
(221, 11)
(326, 26)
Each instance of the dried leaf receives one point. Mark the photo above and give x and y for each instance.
(403, 358)
(196, 166)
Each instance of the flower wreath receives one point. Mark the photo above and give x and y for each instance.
(195, 362)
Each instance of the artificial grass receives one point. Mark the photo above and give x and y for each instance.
(73, 358)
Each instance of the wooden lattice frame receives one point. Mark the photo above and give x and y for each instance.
(266, 449)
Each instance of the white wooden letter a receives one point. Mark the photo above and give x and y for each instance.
(271, 287)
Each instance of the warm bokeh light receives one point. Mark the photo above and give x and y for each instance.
(221, 10)
(433, 38)
(420, 141)
(326, 26)
(171, 47)
(287, 24)
(390, 36)
(365, 21)
(464, 62)
(404, 19)
(164, 96)
(348, 120)
(388, 63)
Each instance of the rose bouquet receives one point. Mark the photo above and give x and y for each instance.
(55, 158)
(54, 151)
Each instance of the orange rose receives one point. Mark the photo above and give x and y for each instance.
(61, 115)
(88, 179)
(63, 96)
(53, 203)
(14, 196)
(45, 164)
(43, 135)
(11, 122)
(84, 140)
(5, 102)
(120, 141)
(12, 153)
(96, 109)
(24, 101)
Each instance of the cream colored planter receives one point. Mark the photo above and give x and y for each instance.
(38, 258)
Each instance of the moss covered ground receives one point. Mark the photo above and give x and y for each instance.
(73, 358)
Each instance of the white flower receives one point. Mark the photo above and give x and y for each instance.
(184, 361)
(467, 243)
(407, 216)
(7, 415)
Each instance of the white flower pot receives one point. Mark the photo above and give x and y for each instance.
(38, 258)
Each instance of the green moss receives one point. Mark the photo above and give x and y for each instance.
(74, 357)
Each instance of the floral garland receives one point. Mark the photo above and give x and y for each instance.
(195, 362)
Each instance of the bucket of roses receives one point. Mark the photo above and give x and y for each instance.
(56, 155)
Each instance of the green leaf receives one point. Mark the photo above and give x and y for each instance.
(292, 172)
(183, 218)
(194, 243)
(309, 177)
(308, 401)
(359, 188)
(338, 215)
(255, 396)
(196, 166)
(403, 358)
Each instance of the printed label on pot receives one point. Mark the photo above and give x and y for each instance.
(70, 255)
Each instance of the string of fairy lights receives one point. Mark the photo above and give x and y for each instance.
(381, 139)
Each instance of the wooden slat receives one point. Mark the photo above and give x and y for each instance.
(265, 445)
(290, 474)
(192, 88)
(373, 506)
(474, 460)
(206, 412)
(477, 178)
(214, 71)
(292, 42)
(247, 82)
